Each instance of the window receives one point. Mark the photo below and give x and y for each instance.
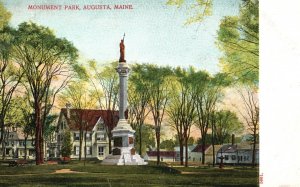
(88, 150)
(76, 150)
(100, 151)
(226, 157)
(100, 137)
(7, 151)
(100, 125)
(21, 143)
(76, 136)
(88, 136)
(233, 157)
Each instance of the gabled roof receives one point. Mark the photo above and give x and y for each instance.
(229, 148)
(162, 153)
(88, 118)
(199, 148)
(209, 150)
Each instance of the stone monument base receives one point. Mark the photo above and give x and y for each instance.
(123, 152)
(124, 159)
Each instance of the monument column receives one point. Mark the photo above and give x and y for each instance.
(123, 152)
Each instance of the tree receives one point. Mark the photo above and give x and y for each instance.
(238, 38)
(181, 110)
(225, 124)
(138, 99)
(66, 148)
(209, 92)
(4, 16)
(107, 94)
(11, 121)
(169, 145)
(199, 10)
(43, 58)
(148, 139)
(160, 90)
(26, 122)
(250, 114)
(10, 73)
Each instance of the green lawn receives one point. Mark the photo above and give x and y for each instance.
(111, 176)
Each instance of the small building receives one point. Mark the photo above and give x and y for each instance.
(196, 153)
(15, 145)
(165, 156)
(177, 150)
(94, 125)
(238, 153)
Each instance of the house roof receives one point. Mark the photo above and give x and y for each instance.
(190, 148)
(162, 153)
(18, 134)
(229, 148)
(199, 148)
(209, 150)
(90, 117)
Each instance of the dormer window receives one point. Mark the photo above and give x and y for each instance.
(100, 125)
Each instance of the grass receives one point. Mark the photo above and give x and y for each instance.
(111, 176)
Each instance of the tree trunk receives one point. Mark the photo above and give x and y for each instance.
(181, 151)
(157, 134)
(109, 144)
(80, 142)
(203, 150)
(38, 132)
(140, 133)
(254, 147)
(213, 143)
(186, 151)
(84, 147)
(2, 131)
(25, 149)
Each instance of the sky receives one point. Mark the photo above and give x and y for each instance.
(155, 32)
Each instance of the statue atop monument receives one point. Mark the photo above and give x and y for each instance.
(122, 50)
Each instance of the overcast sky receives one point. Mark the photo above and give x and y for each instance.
(155, 32)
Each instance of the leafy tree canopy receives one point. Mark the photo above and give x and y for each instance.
(238, 38)
(4, 16)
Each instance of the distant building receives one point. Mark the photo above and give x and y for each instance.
(196, 153)
(165, 156)
(15, 145)
(177, 150)
(94, 123)
(237, 154)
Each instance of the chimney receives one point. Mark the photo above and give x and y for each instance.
(68, 106)
(232, 139)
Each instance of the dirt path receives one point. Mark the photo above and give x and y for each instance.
(67, 171)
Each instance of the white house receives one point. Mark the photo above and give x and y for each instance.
(196, 153)
(177, 150)
(15, 145)
(94, 125)
(237, 154)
